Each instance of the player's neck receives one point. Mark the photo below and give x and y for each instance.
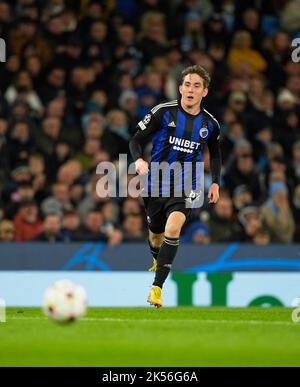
(194, 110)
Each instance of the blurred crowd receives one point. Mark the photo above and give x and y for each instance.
(78, 77)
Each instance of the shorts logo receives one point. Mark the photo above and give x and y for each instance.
(147, 119)
(148, 219)
(203, 132)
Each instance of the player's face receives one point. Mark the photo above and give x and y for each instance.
(192, 90)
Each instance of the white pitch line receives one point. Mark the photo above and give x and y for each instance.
(253, 322)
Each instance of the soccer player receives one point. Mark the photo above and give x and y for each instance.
(179, 131)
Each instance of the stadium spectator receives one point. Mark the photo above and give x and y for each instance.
(90, 148)
(237, 101)
(128, 102)
(23, 192)
(242, 197)
(234, 133)
(152, 38)
(18, 176)
(5, 17)
(131, 206)
(175, 60)
(193, 37)
(242, 58)
(276, 171)
(149, 93)
(277, 214)
(133, 230)
(116, 136)
(70, 224)
(61, 154)
(277, 53)
(110, 213)
(20, 143)
(52, 231)
(69, 172)
(97, 41)
(48, 137)
(34, 67)
(243, 171)
(7, 231)
(36, 165)
(290, 16)
(286, 121)
(59, 201)
(251, 221)
(251, 23)
(203, 8)
(91, 230)
(215, 31)
(53, 86)
(222, 225)
(196, 232)
(27, 222)
(92, 199)
(76, 193)
(23, 86)
(25, 37)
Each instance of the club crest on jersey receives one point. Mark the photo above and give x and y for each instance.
(203, 132)
(147, 119)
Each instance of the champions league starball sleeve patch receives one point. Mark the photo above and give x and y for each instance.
(143, 124)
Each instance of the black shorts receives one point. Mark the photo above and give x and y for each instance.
(159, 209)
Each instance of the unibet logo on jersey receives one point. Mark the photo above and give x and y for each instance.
(183, 145)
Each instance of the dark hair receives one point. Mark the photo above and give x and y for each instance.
(196, 69)
(57, 215)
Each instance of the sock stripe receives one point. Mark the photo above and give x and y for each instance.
(172, 244)
(172, 241)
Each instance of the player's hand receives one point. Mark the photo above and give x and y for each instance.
(213, 193)
(141, 167)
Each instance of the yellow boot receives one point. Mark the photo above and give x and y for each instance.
(154, 297)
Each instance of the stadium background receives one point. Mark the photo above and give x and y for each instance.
(78, 77)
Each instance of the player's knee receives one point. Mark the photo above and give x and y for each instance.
(172, 231)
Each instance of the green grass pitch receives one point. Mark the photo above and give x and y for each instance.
(178, 336)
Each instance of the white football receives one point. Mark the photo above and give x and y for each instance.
(65, 301)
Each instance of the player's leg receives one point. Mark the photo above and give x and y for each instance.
(155, 241)
(156, 223)
(166, 255)
(169, 247)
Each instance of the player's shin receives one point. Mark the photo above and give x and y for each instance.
(154, 252)
(165, 259)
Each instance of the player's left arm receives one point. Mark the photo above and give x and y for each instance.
(213, 145)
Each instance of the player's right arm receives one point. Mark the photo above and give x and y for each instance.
(145, 129)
